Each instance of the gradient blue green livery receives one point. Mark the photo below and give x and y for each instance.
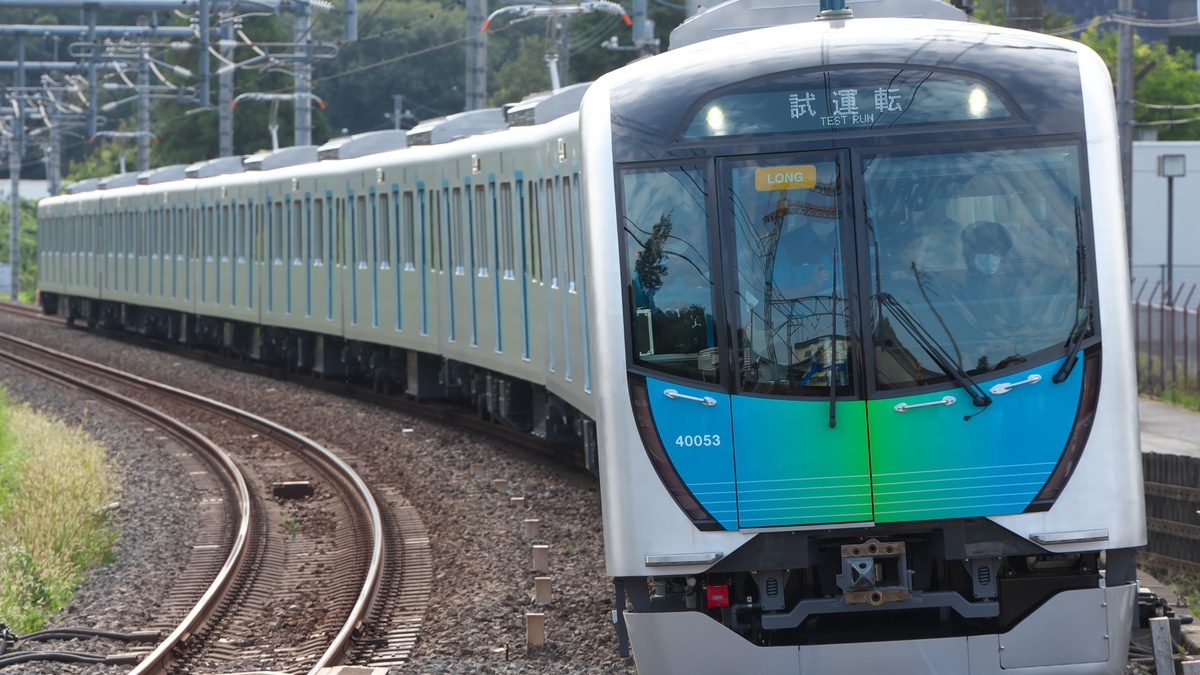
(786, 473)
(929, 463)
(786, 467)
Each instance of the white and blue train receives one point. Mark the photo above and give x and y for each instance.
(838, 311)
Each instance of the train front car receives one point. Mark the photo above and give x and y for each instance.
(873, 403)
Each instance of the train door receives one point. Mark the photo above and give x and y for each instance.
(761, 421)
(799, 431)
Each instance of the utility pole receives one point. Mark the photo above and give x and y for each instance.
(302, 111)
(476, 55)
(16, 142)
(14, 205)
(1025, 14)
(143, 111)
(225, 91)
(1125, 114)
(557, 49)
(54, 160)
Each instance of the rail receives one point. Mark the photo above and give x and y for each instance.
(366, 511)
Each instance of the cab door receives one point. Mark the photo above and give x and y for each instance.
(800, 445)
(739, 319)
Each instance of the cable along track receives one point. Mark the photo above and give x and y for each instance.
(322, 562)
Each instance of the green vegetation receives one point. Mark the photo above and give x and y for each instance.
(1186, 586)
(1161, 77)
(54, 486)
(1183, 399)
(1178, 388)
(27, 245)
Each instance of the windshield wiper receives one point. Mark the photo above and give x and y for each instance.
(935, 350)
(1083, 317)
(1083, 325)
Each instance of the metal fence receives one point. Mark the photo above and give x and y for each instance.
(1167, 334)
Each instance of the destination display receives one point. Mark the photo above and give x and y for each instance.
(830, 100)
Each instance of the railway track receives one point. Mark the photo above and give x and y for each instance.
(287, 529)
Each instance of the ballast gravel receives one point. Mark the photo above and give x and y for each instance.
(483, 578)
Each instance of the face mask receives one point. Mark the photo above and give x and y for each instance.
(823, 227)
(987, 263)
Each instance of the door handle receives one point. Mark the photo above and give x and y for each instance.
(707, 400)
(905, 407)
(1005, 387)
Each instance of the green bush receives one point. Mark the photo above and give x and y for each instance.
(54, 485)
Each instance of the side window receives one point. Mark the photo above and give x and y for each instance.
(339, 232)
(553, 229)
(296, 236)
(226, 245)
(277, 232)
(508, 255)
(434, 231)
(239, 236)
(360, 231)
(568, 226)
(318, 230)
(383, 225)
(535, 234)
(211, 228)
(408, 213)
(458, 232)
(482, 224)
(668, 271)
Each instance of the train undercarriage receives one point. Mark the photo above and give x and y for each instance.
(494, 397)
(913, 582)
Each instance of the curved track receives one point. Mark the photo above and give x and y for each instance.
(356, 572)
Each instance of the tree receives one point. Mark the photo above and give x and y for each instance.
(413, 49)
(520, 76)
(27, 246)
(1161, 78)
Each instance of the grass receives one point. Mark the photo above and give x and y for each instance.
(1180, 387)
(1185, 586)
(1183, 399)
(54, 486)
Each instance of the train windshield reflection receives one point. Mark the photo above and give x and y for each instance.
(982, 249)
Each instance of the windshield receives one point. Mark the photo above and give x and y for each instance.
(789, 222)
(980, 248)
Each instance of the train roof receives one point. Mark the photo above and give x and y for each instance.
(118, 181)
(533, 110)
(737, 16)
(163, 174)
(85, 185)
(458, 125)
(215, 167)
(360, 145)
(281, 158)
(546, 106)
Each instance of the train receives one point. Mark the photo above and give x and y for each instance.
(837, 310)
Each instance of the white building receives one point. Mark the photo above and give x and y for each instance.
(1149, 246)
(26, 189)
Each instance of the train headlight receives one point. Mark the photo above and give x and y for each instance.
(977, 102)
(715, 119)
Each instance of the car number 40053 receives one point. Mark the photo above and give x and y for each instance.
(698, 440)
